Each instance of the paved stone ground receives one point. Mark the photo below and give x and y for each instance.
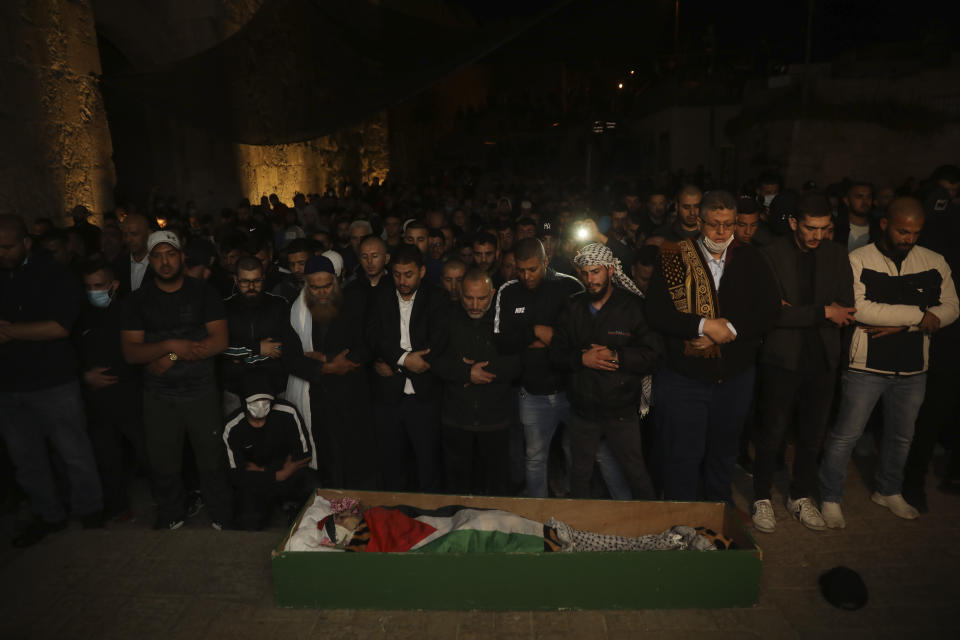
(130, 582)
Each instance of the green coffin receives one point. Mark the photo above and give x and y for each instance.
(531, 581)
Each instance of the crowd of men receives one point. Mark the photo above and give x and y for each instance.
(426, 339)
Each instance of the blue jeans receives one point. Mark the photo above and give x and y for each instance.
(540, 415)
(902, 397)
(29, 420)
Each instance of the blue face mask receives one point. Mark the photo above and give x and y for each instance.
(99, 299)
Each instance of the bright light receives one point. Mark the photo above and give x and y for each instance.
(583, 233)
(619, 85)
(632, 71)
(162, 223)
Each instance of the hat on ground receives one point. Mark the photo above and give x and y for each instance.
(843, 588)
(163, 237)
(318, 264)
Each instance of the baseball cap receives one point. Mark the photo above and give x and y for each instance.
(161, 237)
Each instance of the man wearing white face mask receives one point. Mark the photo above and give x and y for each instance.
(112, 388)
(269, 452)
(712, 300)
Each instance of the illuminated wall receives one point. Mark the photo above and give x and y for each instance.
(359, 152)
(57, 148)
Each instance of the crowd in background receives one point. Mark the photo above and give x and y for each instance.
(466, 336)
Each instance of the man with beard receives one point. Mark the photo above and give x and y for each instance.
(603, 341)
(526, 314)
(259, 327)
(799, 358)
(132, 266)
(404, 327)
(687, 224)
(40, 402)
(486, 255)
(713, 301)
(327, 383)
(297, 253)
(176, 326)
(904, 293)
(855, 228)
(452, 278)
(477, 400)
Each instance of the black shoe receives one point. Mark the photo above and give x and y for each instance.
(92, 520)
(916, 498)
(950, 485)
(746, 465)
(37, 531)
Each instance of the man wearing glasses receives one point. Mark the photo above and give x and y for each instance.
(259, 328)
(712, 300)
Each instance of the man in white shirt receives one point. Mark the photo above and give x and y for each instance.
(132, 266)
(407, 326)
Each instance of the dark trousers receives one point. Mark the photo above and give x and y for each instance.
(463, 450)
(699, 426)
(31, 423)
(166, 425)
(343, 432)
(623, 436)
(417, 425)
(258, 498)
(939, 406)
(783, 394)
(115, 422)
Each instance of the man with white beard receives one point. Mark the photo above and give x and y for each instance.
(328, 385)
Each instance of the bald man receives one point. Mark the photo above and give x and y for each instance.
(133, 265)
(477, 393)
(903, 294)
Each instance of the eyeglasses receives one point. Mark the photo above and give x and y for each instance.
(722, 226)
(249, 283)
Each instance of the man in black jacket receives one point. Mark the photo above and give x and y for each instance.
(800, 356)
(112, 388)
(603, 340)
(713, 302)
(268, 453)
(477, 399)
(259, 327)
(406, 328)
(526, 313)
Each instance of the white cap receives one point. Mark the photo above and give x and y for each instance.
(336, 259)
(161, 237)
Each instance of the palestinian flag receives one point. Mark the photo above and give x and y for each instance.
(450, 529)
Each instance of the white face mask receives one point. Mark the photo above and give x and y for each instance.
(714, 247)
(258, 408)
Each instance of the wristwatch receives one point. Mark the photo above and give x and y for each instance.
(173, 356)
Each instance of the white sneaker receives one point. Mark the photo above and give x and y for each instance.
(900, 507)
(763, 518)
(804, 510)
(832, 515)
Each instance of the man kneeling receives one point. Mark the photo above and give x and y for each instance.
(269, 451)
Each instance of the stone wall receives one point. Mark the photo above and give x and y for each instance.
(56, 150)
(360, 152)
